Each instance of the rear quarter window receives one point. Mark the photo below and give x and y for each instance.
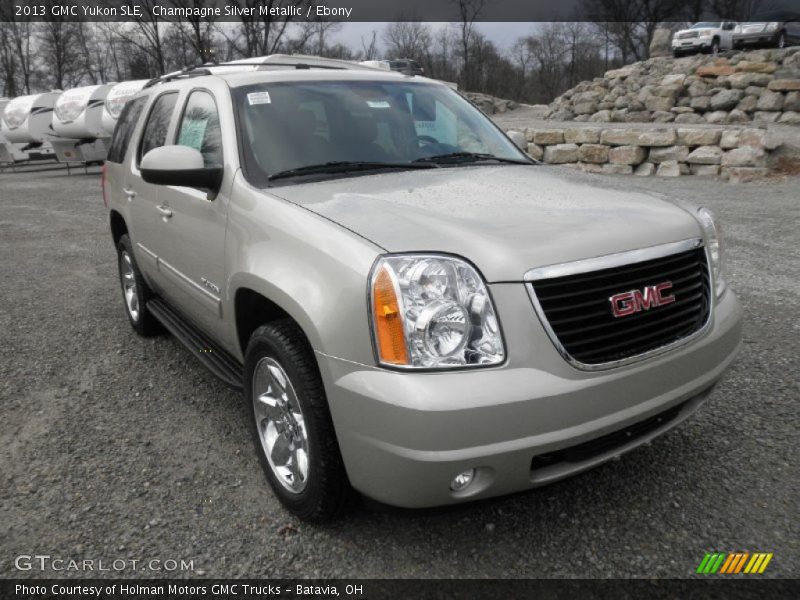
(121, 138)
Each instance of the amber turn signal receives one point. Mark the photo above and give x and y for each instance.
(389, 335)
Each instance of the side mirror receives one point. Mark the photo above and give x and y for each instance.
(179, 165)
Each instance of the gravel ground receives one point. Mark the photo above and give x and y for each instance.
(115, 447)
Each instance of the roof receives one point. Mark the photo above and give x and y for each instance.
(283, 67)
(250, 77)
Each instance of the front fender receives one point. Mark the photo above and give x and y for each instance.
(312, 268)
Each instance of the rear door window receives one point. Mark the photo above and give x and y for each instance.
(124, 129)
(155, 130)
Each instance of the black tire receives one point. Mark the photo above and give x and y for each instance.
(676, 54)
(714, 47)
(142, 322)
(781, 41)
(327, 493)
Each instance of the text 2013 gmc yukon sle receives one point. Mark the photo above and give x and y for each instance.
(415, 310)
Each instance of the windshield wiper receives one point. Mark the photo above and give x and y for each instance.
(457, 157)
(344, 166)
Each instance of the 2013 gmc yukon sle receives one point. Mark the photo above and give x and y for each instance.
(415, 310)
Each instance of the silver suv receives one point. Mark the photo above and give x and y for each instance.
(414, 309)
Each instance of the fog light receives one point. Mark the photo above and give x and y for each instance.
(462, 480)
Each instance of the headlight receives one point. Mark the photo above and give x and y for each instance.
(432, 311)
(713, 235)
(772, 26)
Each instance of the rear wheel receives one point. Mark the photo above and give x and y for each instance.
(291, 425)
(135, 292)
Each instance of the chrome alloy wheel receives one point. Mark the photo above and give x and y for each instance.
(280, 424)
(129, 285)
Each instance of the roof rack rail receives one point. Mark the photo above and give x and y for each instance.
(193, 71)
(297, 61)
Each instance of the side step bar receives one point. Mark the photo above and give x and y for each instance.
(214, 358)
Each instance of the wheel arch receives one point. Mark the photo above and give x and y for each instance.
(118, 226)
(255, 303)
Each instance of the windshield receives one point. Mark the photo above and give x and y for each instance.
(291, 125)
(706, 25)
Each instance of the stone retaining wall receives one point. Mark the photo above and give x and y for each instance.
(759, 86)
(735, 153)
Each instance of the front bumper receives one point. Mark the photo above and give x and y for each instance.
(404, 436)
(698, 43)
(766, 38)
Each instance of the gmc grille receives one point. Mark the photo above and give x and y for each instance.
(578, 311)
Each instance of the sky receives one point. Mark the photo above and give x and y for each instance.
(502, 34)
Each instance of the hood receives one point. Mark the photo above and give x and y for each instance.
(505, 219)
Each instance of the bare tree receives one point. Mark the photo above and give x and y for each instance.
(147, 35)
(260, 33)
(442, 63)
(520, 52)
(59, 49)
(319, 31)
(369, 51)
(693, 10)
(110, 41)
(630, 24)
(548, 49)
(469, 11)
(17, 41)
(736, 10)
(196, 30)
(407, 39)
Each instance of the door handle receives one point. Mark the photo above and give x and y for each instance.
(131, 194)
(165, 211)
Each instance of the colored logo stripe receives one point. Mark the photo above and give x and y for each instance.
(758, 563)
(711, 562)
(734, 562)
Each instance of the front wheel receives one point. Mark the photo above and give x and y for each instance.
(291, 425)
(135, 292)
(782, 40)
(715, 47)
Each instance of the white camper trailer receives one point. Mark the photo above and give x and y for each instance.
(117, 96)
(10, 154)
(27, 120)
(78, 123)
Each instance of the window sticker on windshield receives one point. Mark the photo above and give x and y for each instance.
(192, 133)
(378, 104)
(258, 98)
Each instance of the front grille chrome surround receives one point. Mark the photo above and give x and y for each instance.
(686, 250)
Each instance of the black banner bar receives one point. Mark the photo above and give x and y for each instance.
(733, 587)
(363, 10)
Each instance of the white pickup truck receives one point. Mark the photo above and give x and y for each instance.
(706, 36)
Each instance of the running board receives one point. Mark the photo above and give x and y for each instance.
(214, 358)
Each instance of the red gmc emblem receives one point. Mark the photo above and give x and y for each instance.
(628, 303)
